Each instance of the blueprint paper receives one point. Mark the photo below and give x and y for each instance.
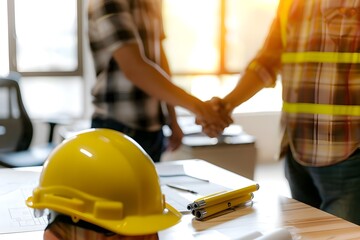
(15, 188)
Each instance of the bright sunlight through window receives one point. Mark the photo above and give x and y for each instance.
(210, 42)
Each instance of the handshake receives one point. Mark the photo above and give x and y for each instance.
(214, 116)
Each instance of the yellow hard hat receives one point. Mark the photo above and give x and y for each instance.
(104, 177)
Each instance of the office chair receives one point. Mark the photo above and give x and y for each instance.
(16, 129)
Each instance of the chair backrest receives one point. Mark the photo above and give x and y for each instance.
(16, 129)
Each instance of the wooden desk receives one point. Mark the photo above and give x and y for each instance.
(267, 213)
(264, 216)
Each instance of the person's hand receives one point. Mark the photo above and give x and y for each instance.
(175, 139)
(212, 118)
(224, 110)
(221, 106)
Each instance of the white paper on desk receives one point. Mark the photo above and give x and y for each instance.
(210, 235)
(176, 199)
(15, 216)
(278, 234)
(170, 170)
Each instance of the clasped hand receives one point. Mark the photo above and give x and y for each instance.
(214, 124)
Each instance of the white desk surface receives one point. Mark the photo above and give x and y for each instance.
(267, 213)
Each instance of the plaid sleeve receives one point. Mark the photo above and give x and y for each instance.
(111, 24)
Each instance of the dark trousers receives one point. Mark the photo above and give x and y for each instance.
(334, 189)
(152, 142)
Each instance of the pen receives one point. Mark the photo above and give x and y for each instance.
(190, 206)
(222, 197)
(182, 188)
(211, 210)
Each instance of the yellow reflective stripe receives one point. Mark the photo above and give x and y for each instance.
(284, 13)
(329, 57)
(328, 109)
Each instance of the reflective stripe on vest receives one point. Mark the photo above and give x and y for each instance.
(328, 57)
(328, 109)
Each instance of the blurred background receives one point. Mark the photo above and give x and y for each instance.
(209, 43)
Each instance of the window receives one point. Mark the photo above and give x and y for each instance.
(210, 42)
(47, 31)
(4, 50)
(192, 30)
(44, 43)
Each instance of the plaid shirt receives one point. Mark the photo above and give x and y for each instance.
(65, 231)
(63, 228)
(113, 23)
(316, 26)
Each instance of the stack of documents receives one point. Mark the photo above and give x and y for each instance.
(218, 202)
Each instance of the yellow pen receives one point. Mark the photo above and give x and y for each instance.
(190, 206)
(223, 196)
(211, 210)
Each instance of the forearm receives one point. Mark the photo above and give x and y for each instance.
(155, 82)
(248, 85)
(262, 70)
(171, 113)
(159, 86)
(152, 79)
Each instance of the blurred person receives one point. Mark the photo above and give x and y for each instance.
(314, 45)
(111, 190)
(133, 76)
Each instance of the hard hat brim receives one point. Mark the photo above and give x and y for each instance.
(143, 225)
(130, 226)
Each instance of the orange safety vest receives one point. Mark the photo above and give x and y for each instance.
(328, 57)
